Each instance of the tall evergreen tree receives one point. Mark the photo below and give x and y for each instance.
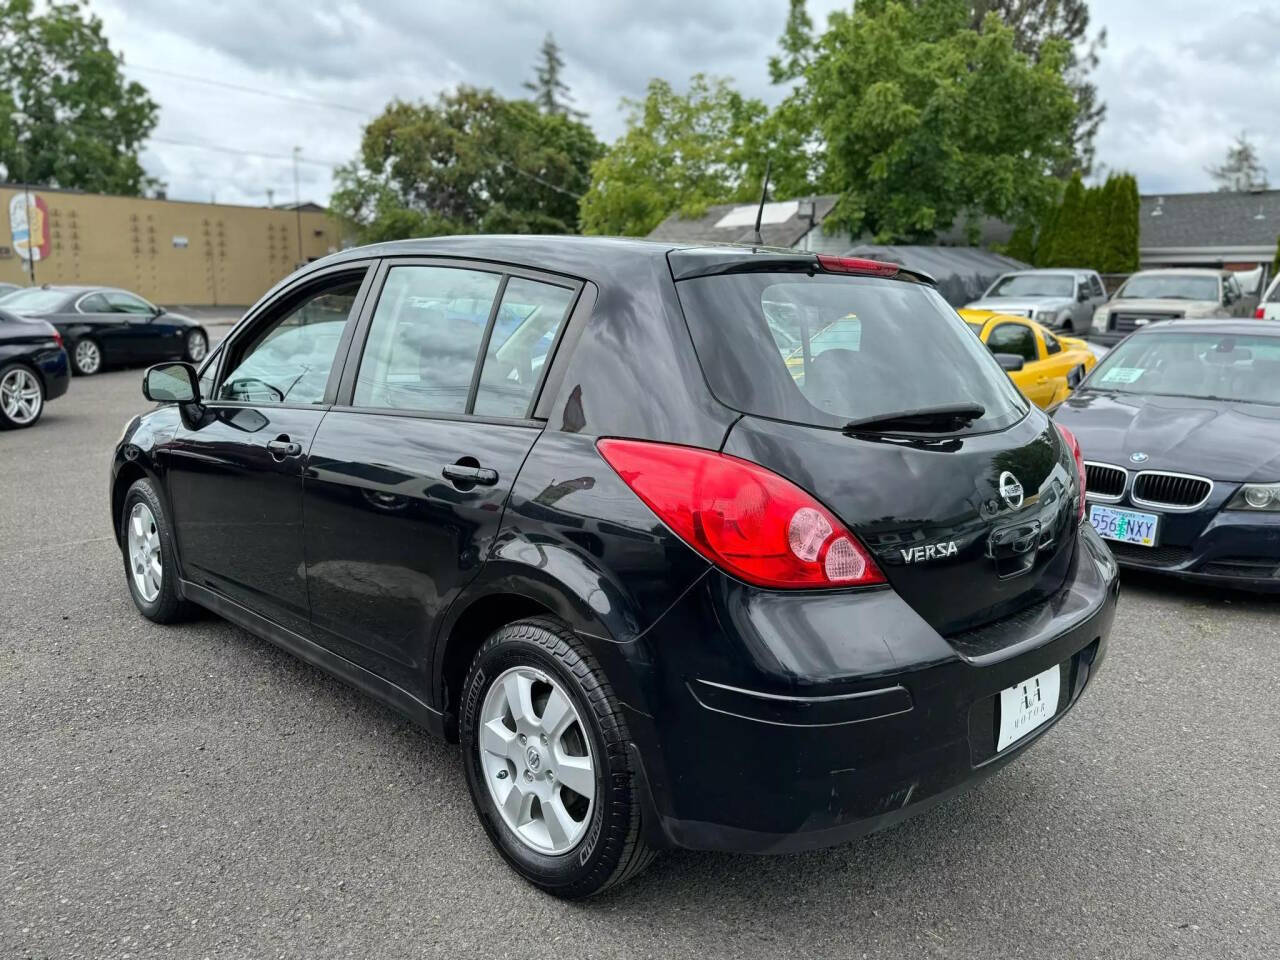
(1070, 235)
(1242, 171)
(1111, 232)
(550, 92)
(1022, 245)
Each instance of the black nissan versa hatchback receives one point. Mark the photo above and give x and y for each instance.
(675, 570)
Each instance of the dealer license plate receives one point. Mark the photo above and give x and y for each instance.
(1127, 526)
(1027, 705)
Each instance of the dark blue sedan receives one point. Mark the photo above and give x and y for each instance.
(1180, 430)
(33, 369)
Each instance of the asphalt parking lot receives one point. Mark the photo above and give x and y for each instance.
(194, 792)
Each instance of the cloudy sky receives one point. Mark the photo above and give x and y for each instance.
(1180, 78)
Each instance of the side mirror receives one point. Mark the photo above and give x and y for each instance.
(1074, 378)
(171, 383)
(1083, 295)
(157, 311)
(1010, 362)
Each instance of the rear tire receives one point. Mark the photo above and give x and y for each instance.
(21, 396)
(609, 848)
(146, 544)
(86, 357)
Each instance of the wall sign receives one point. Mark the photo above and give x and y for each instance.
(29, 226)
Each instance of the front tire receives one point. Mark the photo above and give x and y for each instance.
(86, 357)
(146, 544)
(21, 397)
(546, 752)
(197, 346)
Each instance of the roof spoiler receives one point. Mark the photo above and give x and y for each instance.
(710, 261)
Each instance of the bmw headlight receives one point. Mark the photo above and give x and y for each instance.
(1256, 496)
(1046, 317)
(1100, 319)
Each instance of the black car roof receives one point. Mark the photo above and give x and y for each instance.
(1240, 328)
(590, 257)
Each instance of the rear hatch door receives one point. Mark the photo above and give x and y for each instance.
(972, 517)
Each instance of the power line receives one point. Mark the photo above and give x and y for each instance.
(245, 153)
(246, 89)
(503, 164)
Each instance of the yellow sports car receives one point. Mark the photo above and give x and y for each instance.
(1051, 366)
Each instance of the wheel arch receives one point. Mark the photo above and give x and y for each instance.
(507, 593)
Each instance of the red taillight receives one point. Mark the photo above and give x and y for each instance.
(871, 268)
(1078, 457)
(1260, 313)
(57, 338)
(748, 521)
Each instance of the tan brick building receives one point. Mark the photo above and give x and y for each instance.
(170, 251)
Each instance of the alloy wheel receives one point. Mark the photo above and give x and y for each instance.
(197, 346)
(88, 357)
(537, 760)
(20, 396)
(144, 552)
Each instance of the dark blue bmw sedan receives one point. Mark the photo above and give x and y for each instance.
(1180, 430)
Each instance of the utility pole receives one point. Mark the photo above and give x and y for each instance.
(21, 118)
(297, 201)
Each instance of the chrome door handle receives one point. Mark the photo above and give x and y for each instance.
(283, 448)
(461, 473)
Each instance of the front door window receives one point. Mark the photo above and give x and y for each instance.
(290, 360)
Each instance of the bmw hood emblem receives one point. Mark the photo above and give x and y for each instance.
(1138, 457)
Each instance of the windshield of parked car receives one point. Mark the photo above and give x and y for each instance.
(33, 300)
(1211, 366)
(854, 348)
(1174, 286)
(1033, 285)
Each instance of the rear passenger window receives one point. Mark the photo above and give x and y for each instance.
(524, 331)
(424, 339)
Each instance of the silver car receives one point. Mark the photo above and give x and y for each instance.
(1151, 296)
(1060, 299)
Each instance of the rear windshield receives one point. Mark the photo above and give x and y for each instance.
(825, 350)
(34, 300)
(1204, 365)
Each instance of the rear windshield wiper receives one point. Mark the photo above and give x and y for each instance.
(941, 418)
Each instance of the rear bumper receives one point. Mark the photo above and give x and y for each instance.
(55, 371)
(881, 719)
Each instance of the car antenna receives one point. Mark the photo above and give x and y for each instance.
(764, 193)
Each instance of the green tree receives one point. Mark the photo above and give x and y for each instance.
(920, 120)
(1034, 23)
(1129, 236)
(1069, 248)
(472, 161)
(1022, 244)
(550, 92)
(681, 151)
(68, 117)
